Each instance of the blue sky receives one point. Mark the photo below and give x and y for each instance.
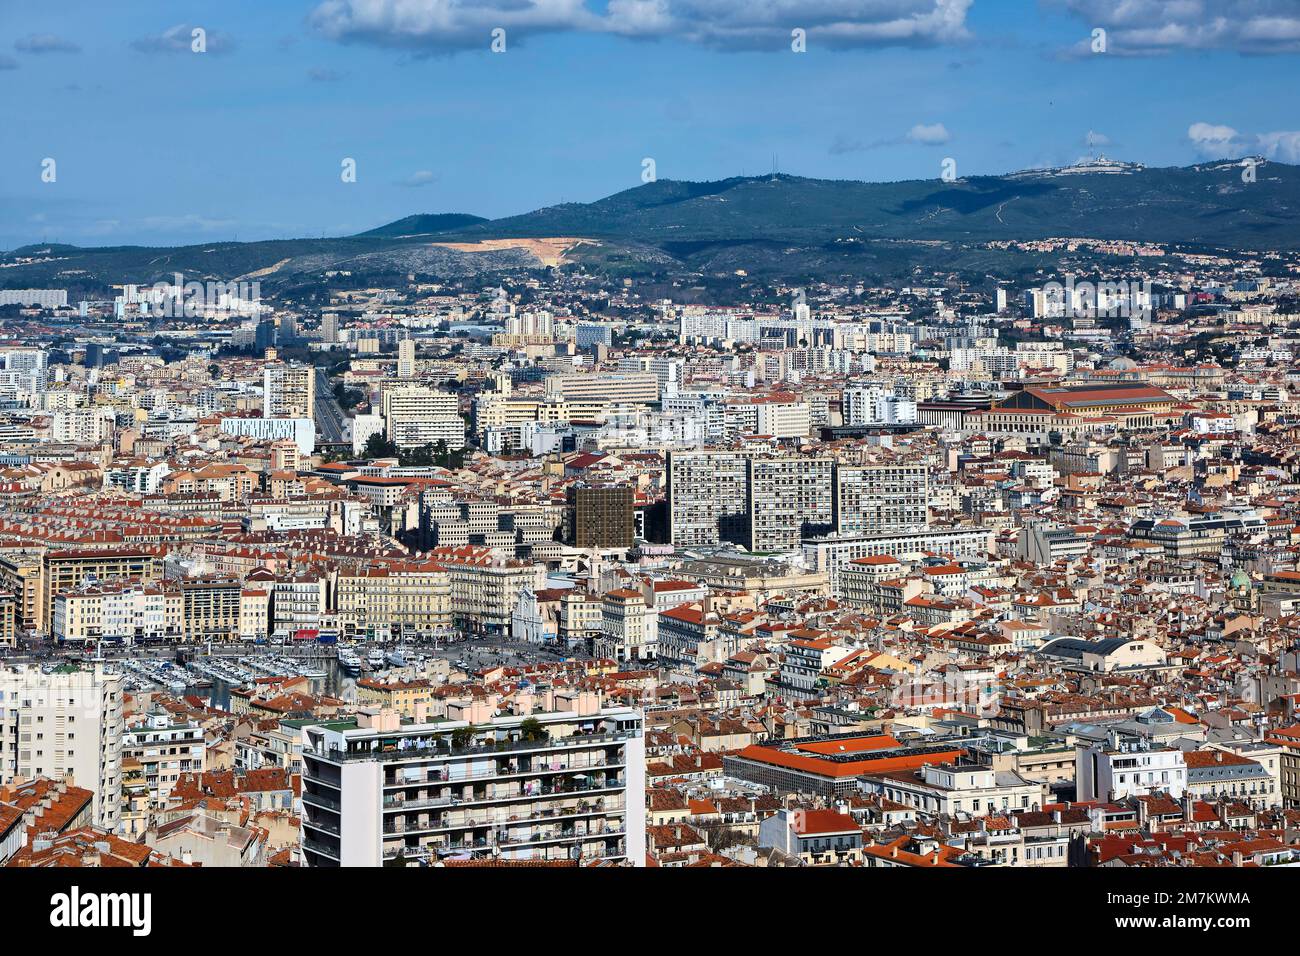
(157, 145)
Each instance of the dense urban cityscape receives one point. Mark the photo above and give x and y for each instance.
(565, 435)
(551, 570)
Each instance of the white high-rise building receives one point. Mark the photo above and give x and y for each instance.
(61, 723)
(30, 364)
(873, 405)
(406, 358)
(415, 417)
(288, 390)
(562, 783)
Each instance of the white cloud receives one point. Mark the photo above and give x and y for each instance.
(449, 25)
(1282, 146)
(1216, 142)
(1223, 142)
(936, 134)
(421, 177)
(1147, 27)
(933, 134)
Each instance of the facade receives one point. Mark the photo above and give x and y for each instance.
(415, 417)
(1122, 767)
(708, 497)
(394, 601)
(288, 391)
(66, 722)
(68, 570)
(790, 498)
(485, 587)
(568, 784)
(829, 554)
(164, 749)
(875, 499)
(601, 517)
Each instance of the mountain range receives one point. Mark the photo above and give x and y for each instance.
(775, 225)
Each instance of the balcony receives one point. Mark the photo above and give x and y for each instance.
(442, 748)
(321, 825)
(319, 800)
(495, 822)
(321, 848)
(502, 773)
(452, 801)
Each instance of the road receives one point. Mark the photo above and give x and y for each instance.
(330, 420)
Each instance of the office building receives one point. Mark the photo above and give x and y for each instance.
(601, 516)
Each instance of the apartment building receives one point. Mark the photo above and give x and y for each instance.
(117, 611)
(789, 498)
(20, 575)
(959, 786)
(8, 620)
(628, 629)
(1122, 767)
(68, 721)
(873, 499)
(562, 784)
(485, 586)
(708, 497)
(164, 749)
(298, 603)
(288, 390)
(629, 389)
(394, 601)
(212, 608)
(581, 617)
(68, 570)
(829, 554)
(415, 417)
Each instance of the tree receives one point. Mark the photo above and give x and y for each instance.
(531, 730)
(377, 446)
(463, 737)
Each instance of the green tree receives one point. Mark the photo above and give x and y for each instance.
(377, 446)
(531, 730)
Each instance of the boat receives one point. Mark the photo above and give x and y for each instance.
(350, 662)
(396, 657)
(375, 659)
